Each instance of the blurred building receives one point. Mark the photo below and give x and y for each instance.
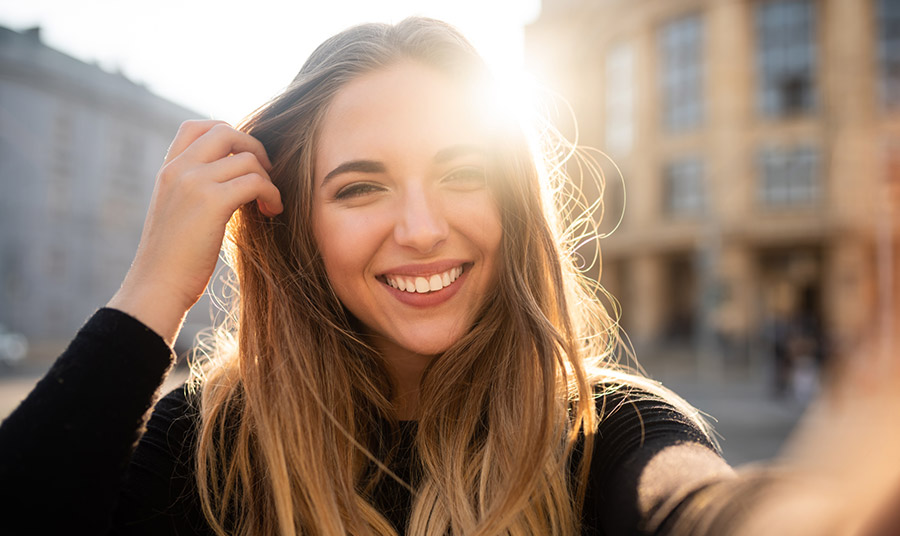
(758, 140)
(79, 152)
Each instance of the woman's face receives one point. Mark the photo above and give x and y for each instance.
(407, 226)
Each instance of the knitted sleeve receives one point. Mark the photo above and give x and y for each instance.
(65, 449)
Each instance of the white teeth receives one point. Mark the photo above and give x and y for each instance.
(422, 284)
(435, 282)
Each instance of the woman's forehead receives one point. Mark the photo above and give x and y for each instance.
(407, 108)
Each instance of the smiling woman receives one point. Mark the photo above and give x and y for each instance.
(409, 184)
(415, 353)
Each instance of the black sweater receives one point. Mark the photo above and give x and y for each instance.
(68, 462)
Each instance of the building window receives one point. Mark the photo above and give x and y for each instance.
(788, 176)
(619, 105)
(125, 166)
(681, 76)
(889, 51)
(684, 192)
(63, 164)
(785, 57)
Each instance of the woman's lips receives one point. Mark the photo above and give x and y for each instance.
(426, 290)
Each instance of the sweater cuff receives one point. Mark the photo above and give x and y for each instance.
(129, 338)
(114, 358)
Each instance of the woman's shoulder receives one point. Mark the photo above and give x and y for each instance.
(180, 404)
(638, 422)
(179, 418)
(635, 412)
(159, 491)
(173, 426)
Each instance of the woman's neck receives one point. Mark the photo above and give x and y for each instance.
(405, 369)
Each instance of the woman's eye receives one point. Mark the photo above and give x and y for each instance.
(467, 176)
(356, 190)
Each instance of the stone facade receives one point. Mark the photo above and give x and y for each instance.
(758, 140)
(79, 152)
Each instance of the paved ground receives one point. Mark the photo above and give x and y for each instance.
(752, 425)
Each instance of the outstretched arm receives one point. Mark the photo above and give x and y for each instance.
(841, 474)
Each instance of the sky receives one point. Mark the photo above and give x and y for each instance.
(222, 59)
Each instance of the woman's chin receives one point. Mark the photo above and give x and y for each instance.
(404, 348)
(429, 348)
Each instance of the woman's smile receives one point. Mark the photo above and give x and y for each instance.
(422, 286)
(400, 177)
(423, 283)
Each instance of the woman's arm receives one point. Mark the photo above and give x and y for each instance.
(657, 475)
(841, 471)
(648, 458)
(64, 451)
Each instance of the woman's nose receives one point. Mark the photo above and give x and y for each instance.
(421, 224)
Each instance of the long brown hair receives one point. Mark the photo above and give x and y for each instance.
(291, 440)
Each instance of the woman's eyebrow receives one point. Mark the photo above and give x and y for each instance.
(456, 151)
(360, 166)
(374, 166)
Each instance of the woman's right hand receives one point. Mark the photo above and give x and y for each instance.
(210, 171)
